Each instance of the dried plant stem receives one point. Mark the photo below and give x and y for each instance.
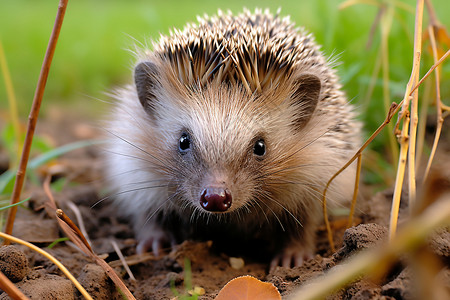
(32, 119)
(421, 128)
(355, 192)
(51, 258)
(83, 232)
(9, 288)
(122, 259)
(410, 238)
(440, 119)
(414, 118)
(399, 178)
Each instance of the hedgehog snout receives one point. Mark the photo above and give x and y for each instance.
(215, 199)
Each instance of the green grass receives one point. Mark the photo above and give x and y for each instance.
(91, 56)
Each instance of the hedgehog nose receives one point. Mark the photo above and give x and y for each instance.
(215, 200)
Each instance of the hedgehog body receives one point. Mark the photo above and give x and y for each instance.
(230, 132)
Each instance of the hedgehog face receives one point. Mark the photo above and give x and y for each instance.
(222, 137)
(220, 148)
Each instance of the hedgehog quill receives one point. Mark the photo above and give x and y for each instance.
(230, 132)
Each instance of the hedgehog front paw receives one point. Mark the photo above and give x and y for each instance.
(293, 256)
(155, 239)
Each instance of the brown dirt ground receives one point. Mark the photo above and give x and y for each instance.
(38, 278)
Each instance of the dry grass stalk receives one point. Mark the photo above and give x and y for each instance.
(122, 259)
(415, 105)
(32, 119)
(400, 176)
(133, 260)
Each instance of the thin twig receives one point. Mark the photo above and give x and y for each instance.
(80, 221)
(33, 117)
(64, 218)
(9, 288)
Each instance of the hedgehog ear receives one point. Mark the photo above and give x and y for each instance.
(146, 79)
(305, 97)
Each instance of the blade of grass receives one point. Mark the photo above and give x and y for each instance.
(32, 119)
(15, 204)
(12, 101)
(40, 160)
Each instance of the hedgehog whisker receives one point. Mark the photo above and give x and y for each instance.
(264, 196)
(136, 147)
(126, 191)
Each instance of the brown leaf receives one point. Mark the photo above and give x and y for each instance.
(248, 288)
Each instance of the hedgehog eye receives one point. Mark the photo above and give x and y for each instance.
(259, 148)
(184, 143)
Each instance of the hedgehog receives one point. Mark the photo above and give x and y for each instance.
(230, 132)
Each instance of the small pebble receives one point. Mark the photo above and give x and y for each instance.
(13, 263)
(236, 263)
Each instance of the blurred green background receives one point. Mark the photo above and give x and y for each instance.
(92, 57)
